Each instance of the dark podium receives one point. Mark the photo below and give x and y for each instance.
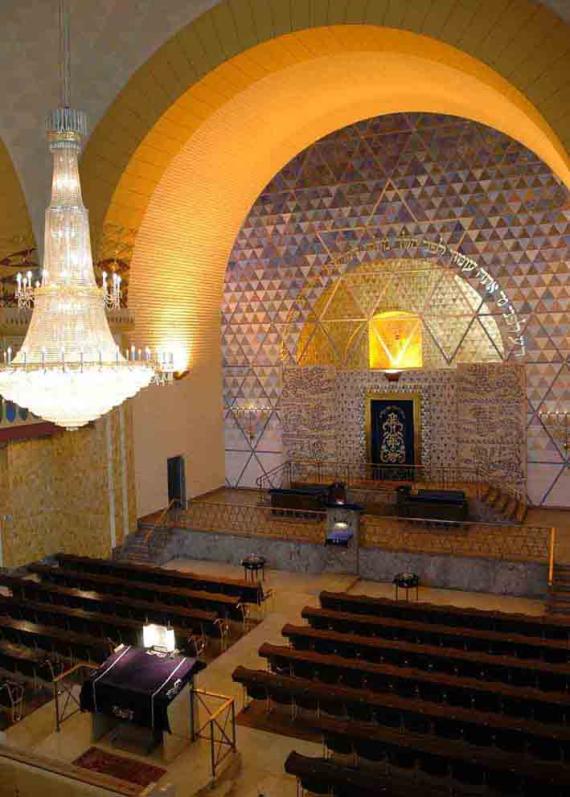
(432, 504)
(136, 686)
(308, 498)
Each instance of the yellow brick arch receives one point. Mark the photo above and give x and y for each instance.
(16, 234)
(200, 129)
(517, 46)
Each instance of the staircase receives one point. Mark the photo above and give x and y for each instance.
(558, 600)
(148, 545)
(503, 505)
(135, 548)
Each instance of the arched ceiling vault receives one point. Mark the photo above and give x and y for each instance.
(200, 129)
(517, 47)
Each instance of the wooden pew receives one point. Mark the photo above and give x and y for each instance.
(109, 626)
(467, 663)
(57, 640)
(493, 642)
(543, 627)
(23, 661)
(550, 742)
(318, 774)
(245, 590)
(224, 605)
(439, 687)
(380, 743)
(199, 620)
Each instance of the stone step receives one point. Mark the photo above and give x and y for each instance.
(561, 579)
(511, 508)
(501, 503)
(558, 611)
(555, 603)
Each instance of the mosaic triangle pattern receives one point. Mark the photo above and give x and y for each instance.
(413, 174)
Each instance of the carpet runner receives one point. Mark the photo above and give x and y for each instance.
(129, 769)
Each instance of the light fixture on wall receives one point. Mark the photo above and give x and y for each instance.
(558, 425)
(392, 374)
(69, 370)
(253, 415)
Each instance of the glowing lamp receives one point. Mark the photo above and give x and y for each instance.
(395, 342)
(159, 637)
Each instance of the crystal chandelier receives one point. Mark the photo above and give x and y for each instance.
(69, 369)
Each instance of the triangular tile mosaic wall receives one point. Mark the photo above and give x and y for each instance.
(426, 175)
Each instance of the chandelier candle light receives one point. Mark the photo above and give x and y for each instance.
(69, 369)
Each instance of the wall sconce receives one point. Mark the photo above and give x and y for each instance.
(392, 374)
(253, 415)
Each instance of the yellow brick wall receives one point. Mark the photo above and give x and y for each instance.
(56, 492)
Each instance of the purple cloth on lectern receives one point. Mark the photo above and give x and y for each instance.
(137, 686)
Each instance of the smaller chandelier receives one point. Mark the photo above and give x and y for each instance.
(25, 291)
(112, 291)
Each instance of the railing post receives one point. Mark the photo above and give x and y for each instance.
(551, 547)
(56, 699)
(212, 752)
(193, 714)
(233, 708)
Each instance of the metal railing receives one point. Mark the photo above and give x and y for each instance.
(219, 726)
(15, 695)
(169, 513)
(369, 474)
(63, 686)
(480, 540)
(417, 535)
(253, 520)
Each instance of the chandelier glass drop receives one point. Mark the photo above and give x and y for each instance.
(69, 369)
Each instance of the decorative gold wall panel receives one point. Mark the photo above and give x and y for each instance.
(456, 325)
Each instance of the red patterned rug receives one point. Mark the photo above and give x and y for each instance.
(117, 766)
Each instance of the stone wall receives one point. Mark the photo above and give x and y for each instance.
(72, 492)
(376, 564)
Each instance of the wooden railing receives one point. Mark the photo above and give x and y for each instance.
(551, 556)
(166, 519)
